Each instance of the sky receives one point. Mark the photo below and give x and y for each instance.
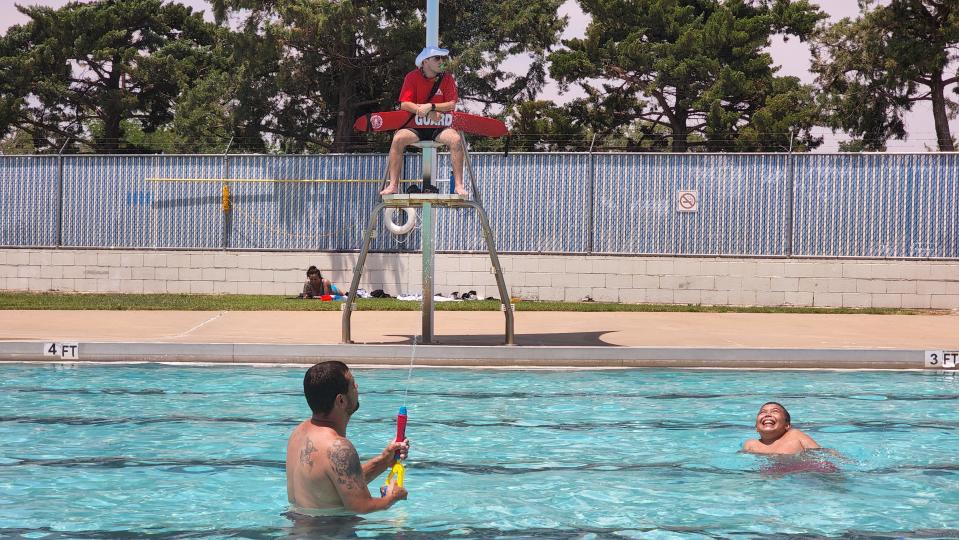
(793, 58)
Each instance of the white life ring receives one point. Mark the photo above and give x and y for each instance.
(395, 228)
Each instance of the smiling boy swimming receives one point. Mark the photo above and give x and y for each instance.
(776, 434)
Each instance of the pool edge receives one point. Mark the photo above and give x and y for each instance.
(474, 356)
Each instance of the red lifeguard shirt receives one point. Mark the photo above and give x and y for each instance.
(416, 87)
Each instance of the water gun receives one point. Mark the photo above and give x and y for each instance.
(397, 471)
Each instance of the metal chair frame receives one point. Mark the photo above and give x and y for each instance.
(428, 202)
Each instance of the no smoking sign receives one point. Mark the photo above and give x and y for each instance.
(687, 201)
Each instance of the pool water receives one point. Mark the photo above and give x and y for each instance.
(198, 452)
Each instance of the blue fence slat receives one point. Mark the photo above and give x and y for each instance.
(302, 202)
(876, 205)
(742, 204)
(535, 203)
(139, 201)
(28, 200)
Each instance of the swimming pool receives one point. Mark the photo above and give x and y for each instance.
(196, 452)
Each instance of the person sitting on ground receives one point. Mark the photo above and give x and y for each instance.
(776, 434)
(316, 286)
(323, 471)
(427, 91)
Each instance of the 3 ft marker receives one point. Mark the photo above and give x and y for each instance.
(62, 350)
(942, 359)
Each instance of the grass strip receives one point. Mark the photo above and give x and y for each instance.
(240, 302)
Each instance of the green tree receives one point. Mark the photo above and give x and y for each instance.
(875, 68)
(694, 67)
(86, 71)
(541, 126)
(17, 142)
(336, 60)
(211, 114)
(782, 121)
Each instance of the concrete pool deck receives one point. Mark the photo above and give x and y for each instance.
(474, 339)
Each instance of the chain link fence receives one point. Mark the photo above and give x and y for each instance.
(780, 205)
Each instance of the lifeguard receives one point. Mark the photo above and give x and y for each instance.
(426, 94)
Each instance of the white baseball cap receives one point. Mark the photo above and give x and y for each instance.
(430, 52)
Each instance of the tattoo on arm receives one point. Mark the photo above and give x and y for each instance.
(306, 454)
(346, 464)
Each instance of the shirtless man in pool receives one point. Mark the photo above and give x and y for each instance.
(323, 471)
(776, 435)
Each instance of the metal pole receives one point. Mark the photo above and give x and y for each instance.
(358, 272)
(592, 196)
(500, 280)
(430, 164)
(790, 193)
(477, 204)
(60, 192)
(428, 224)
(227, 215)
(432, 23)
(429, 169)
(477, 196)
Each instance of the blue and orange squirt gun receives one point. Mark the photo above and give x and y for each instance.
(397, 470)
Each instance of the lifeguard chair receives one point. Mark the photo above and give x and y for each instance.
(427, 204)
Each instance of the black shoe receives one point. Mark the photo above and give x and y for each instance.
(430, 188)
(412, 189)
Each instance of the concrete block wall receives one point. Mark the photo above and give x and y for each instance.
(197, 272)
(853, 283)
(679, 280)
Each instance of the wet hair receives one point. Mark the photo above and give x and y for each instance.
(780, 405)
(313, 270)
(323, 382)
